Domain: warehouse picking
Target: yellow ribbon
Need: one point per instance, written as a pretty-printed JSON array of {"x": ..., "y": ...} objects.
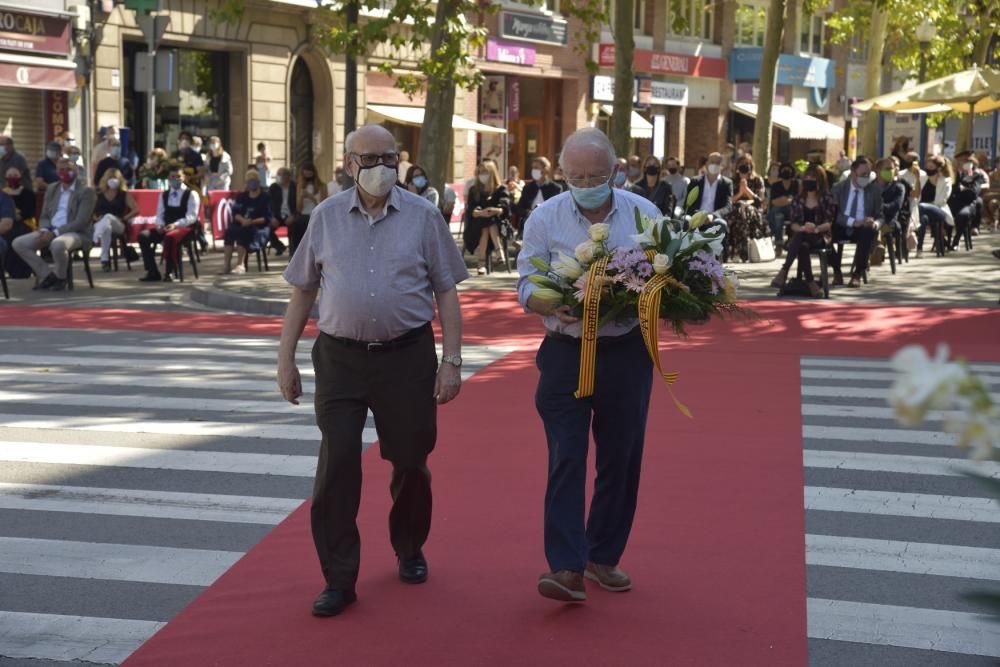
[
  {"x": 649, "y": 315},
  {"x": 588, "y": 335}
]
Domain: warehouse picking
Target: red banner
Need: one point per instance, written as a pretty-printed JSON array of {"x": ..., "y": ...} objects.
[
  {"x": 20, "y": 31},
  {"x": 659, "y": 62},
  {"x": 29, "y": 76},
  {"x": 56, "y": 108}
]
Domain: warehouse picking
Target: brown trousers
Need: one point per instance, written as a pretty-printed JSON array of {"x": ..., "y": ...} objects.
[{"x": 397, "y": 385}]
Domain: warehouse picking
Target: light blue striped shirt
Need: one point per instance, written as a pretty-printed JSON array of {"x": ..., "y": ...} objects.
[{"x": 558, "y": 226}]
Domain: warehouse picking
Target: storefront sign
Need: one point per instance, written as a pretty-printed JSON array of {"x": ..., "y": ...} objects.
[
  {"x": 56, "y": 106},
  {"x": 658, "y": 62},
  {"x": 492, "y": 112},
  {"x": 513, "y": 54},
  {"x": 745, "y": 64},
  {"x": 603, "y": 89},
  {"x": 20, "y": 31},
  {"x": 513, "y": 99},
  {"x": 29, "y": 76},
  {"x": 750, "y": 92},
  {"x": 670, "y": 94},
  {"x": 532, "y": 28}
]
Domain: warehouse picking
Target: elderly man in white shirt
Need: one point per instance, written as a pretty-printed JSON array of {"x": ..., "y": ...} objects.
[
  {"x": 577, "y": 546},
  {"x": 178, "y": 211}
]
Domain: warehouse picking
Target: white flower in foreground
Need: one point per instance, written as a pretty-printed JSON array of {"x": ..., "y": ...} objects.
[
  {"x": 977, "y": 432},
  {"x": 567, "y": 267},
  {"x": 923, "y": 383},
  {"x": 661, "y": 264},
  {"x": 586, "y": 252},
  {"x": 646, "y": 238},
  {"x": 698, "y": 219},
  {"x": 600, "y": 231}
]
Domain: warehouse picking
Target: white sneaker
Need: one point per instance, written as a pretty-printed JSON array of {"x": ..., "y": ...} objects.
[{"x": 239, "y": 269}]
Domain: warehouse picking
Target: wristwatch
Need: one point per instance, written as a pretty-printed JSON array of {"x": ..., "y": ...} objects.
[{"x": 452, "y": 359}]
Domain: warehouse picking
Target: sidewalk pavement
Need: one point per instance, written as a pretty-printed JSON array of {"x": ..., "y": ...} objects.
[{"x": 960, "y": 278}]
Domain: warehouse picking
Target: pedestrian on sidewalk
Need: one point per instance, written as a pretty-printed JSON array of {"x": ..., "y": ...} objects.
[
  {"x": 577, "y": 545},
  {"x": 383, "y": 257}
]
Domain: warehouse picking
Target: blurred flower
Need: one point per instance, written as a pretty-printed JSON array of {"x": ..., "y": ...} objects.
[
  {"x": 661, "y": 264},
  {"x": 549, "y": 296},
  {"x": 923, "y": 383},
  {"x": 600, "y": 231},
  {"x": 698, "y": 219},
  {"x": 567, "y": 267},
  {"x": 586, "y": 252}
]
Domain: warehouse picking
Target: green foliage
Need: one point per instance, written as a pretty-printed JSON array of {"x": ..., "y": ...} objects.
[{"x": 229, "y": 11}]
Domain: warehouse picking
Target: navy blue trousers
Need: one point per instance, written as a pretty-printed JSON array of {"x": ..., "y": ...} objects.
[{"x": 617, "y": 411}]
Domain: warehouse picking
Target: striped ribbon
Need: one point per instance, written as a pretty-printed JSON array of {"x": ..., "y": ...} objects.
[{"x": 588, "y": 335}]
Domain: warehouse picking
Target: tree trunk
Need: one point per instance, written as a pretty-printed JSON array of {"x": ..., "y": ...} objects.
[
  {"x": 436, "y": 134},
  {"x": 873, "y": 80},
  {"x": 621, "y": 119},
  {"x": 768, "y": 81},
  {"x": 979, "y": 54}
]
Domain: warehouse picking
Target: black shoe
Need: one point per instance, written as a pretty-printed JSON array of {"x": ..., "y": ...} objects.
[
  {"x": 167, "y": 278},
  {"x": 331, "y": 602},
  {"x": 106, "y": 267},
  {"x": 151, "y": 277},
  {"x": 278, "y": 252},
  {"x": 57, "y": 285},
  {"x": 413, "y": 570},
  {"x": 47, "y": 282}
]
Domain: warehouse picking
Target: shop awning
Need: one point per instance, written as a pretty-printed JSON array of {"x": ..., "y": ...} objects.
[
  {"x": 36, "y": 72},
  {"x": 415, "y": 116},
  {"x": 799, "y": 125},
  {"x": 641, "y": 128}
]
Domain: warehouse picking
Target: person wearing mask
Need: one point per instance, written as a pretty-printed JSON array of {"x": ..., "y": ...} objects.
[
  {"x": 198, "y": 146},
  {"x": 404, "y": 165},
  {"x": 177, "y": 215},
  {"x": 6, "y": 227},
  {"x": 634, "y": 169},
  {"x": 23, "y": 197},
  {"x": 514, "y": 183},
  {"x": 112, "y": 161},
  {"x": 678, "y": 183},
  {"x": 416, "y": 182},
  {"x": 487, "y": 206},
  {"x": 782, "y": 192},
  {"x": 339, "y": 183},
  {"x": 63, "y": 227},
  {"x": 559, "y": 179},
  {"x": 219, "y": 166},
  {"x": 859, "y": 214},
  {"x": 914, "y": 177},
  {"x": 101, "y": 148},
  {"x": 21, "y": 213},
  {"x": 933, "y": 207},
  {"x": 262, "y": 163},
  {"x": 810, "y": 217},
  {"x": 187, "y": 155},
  {"x": 154, "y": 173},
  {"x": 653, "y": 188},
  {"x": 9, "y": 157},
  {"x": 284, "y": 199},
  {"x": 713, "y": 193},
  {"x": 113, "y": 212},
  {"x": 538, "y": 190},
  {"x": 966, "y": 201},
  {"x": 47, "y": 173},
  {"x": 832, "y": 176},
  {"x": 76, "y": 157},
  {"x": 746, "y": 220},
  {"x": 311, "y": 192},
  {"x": 894, "y": 200},
  {"x": 250, "y": 227},
  {"x": 620, "y": 180}
]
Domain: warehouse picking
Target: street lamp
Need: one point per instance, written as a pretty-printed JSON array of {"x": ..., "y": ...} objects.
[{"x": 926, "y": 32}]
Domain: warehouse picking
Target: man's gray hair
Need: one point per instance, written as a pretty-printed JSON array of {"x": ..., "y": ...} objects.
[
  {"x": 349, "y": 142},
  {"x": 592, "y": 137}
]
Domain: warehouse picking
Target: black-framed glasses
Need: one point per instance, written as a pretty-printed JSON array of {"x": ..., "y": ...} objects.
[{"x": 372, "y": 159}]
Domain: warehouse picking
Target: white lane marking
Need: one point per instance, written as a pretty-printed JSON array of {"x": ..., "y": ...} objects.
[
  {"x": 129, "y": 425},
  {"x": 167, "y": 459},
  {"x": 149, "y": 504},
  {"x": 155, "y": 402},
  {"x": 903, "y": 436},
  {"x": 208, "y": 341},
  {"x": 26, "y": 635},
  {"x": 943, "y": 560},
  {"x": 906, "y": 627},
  {"x": 470, "y": 353},
  {"x": 814, "y": 362},
  {"x": 888, "y": 376},
  {"x": 898, "y": 463},
  {"x": 865, "y": 412},
  {"x": 45, "y": 375},
  {"x": 195, "y": 366},
  {"x": 117, "y": 562},
  {"x": 855, "y": 392},
  {"x": 889, "y": 503}
]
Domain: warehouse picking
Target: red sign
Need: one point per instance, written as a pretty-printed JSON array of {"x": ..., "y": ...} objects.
[
  {"x": 29, "y": 76},
  {"x": 659, "y": 62},
  {"x": 56, "y": 106},
  {"x": 34, "y": 33}
]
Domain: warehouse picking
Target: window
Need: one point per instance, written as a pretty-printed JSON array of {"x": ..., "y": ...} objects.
[
  {"x": 546, "y": 6},
  {"x": 690, "y": 18},
  {"x": 859, "y": 49},
  {"x": 751, "y": 22},
  {"x": 812, "y": 34},
  {"x": 638, "y": 15}
]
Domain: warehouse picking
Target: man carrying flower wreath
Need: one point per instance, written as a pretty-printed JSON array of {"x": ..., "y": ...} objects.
[{"x": 564, "y": 229}]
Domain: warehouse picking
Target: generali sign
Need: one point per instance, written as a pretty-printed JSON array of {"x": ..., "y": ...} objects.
[
  {"x": 21, "y": 31},
  {"x": 660, "y": 62}
]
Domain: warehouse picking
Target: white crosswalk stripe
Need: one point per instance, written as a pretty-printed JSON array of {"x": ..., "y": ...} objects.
[
  {"x": 132, "y": 459},
  {"x": 897, "y": 530}
]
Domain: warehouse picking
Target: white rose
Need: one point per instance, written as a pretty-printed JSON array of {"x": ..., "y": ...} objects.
[
  {"x": 566, "y": 267},
  {"x": 585, "y": 252},
  {"x": 599, "y": 231},
  {"x": 661, "y": 264}
]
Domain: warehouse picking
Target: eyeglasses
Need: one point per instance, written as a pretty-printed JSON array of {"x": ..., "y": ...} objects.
[
  {"x": 588, "y": 181},
  {"x": 372, "y": 159}
]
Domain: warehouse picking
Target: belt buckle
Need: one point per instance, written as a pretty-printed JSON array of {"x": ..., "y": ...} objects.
[{"x": 374, "y": 346}]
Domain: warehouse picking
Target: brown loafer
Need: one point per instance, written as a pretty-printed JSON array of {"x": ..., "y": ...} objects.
[
  {"x": 815, "y": 290},
  {"x": 780, "y": 279},
  {"x": 837, "y": 281},
  {"x": 610, "y": 577},
  {"x": 564, "y": 586}
]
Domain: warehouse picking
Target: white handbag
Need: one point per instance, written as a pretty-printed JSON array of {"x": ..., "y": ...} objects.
[{"x": 760, "y": 250}]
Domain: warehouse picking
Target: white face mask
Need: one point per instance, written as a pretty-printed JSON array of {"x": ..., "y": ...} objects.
[
  {"x": 536, "y": 174},
  {"x": 863, "y": 181},
  {"x": 214, "y": 147},
  {"x": 484, "y": 179},
  {"x": 113, "y": 183},
  {"x": 714, "y": 169},
  {"x": 378, "y": 180},
  {"x": 969, "y": 167}
]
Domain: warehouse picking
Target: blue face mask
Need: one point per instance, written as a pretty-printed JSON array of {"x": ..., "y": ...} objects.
[
  {"x": 619, "y": 179},
  {"x": 593, "y": 198},
  {"x": 175, "y": 183},
  {"x": 419, "y": 181}
]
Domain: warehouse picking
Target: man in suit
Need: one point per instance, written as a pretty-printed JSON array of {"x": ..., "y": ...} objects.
[
  {"x": 715, "y": 194},
  {"x": 282, "y": 193},
  {"x": 65, "y": 225},
  {"x": 859, "y": 215}
]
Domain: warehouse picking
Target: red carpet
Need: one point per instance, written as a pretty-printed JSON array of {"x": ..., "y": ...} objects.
[{"x": 717, "y": 552}]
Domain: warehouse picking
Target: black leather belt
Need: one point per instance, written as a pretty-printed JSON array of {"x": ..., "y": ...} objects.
[
  {"x": 603, "y": 341},
  {"x": 408, "y": 338}
]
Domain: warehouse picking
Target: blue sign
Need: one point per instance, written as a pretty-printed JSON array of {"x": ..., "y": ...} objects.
[{"x": 745, "y": 63}]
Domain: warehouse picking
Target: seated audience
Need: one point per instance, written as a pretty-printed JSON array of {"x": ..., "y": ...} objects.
[
  {"x": 311, "y": 192},
  {"x": 714, "y": 194},
  {"x": 859, "y": 214},
  {"x": 780, "y": 195},
  {"x": 46, "y": 172},
  {"x": 114, "y": 210},
  {"x": 966, "y": 202},
  {"x": 678, "y": 183},
  {"x": 177, "y": 215},
  {"x": 283, "y": 206},
  {"x": 933, "y": 207},
  {"x": 810, "y": 217},
  {"x": 250, "y": 226},
  {"x": 653, "y": 188},
  {"x": 416, "y": 182}
]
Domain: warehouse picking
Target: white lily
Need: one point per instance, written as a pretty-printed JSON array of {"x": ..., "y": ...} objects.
[
  {"x": 567, "y": 267},
  {"x": 646, "y": 238},
  {"x": 924, "y": 383}
]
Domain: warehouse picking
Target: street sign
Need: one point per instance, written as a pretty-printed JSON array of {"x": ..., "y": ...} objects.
[
  {"x": 143, "y": 6},
  {"x": 154, "y": 75},
  {"x": 152, "y": 28}
]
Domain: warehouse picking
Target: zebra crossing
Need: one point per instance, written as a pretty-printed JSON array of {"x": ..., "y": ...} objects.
[
  {"x": 895, "y": 531},
  {"x": 135, "y": 469}
]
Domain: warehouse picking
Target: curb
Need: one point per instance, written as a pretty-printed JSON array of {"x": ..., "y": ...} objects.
[{"x": 215, "y": 297}]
